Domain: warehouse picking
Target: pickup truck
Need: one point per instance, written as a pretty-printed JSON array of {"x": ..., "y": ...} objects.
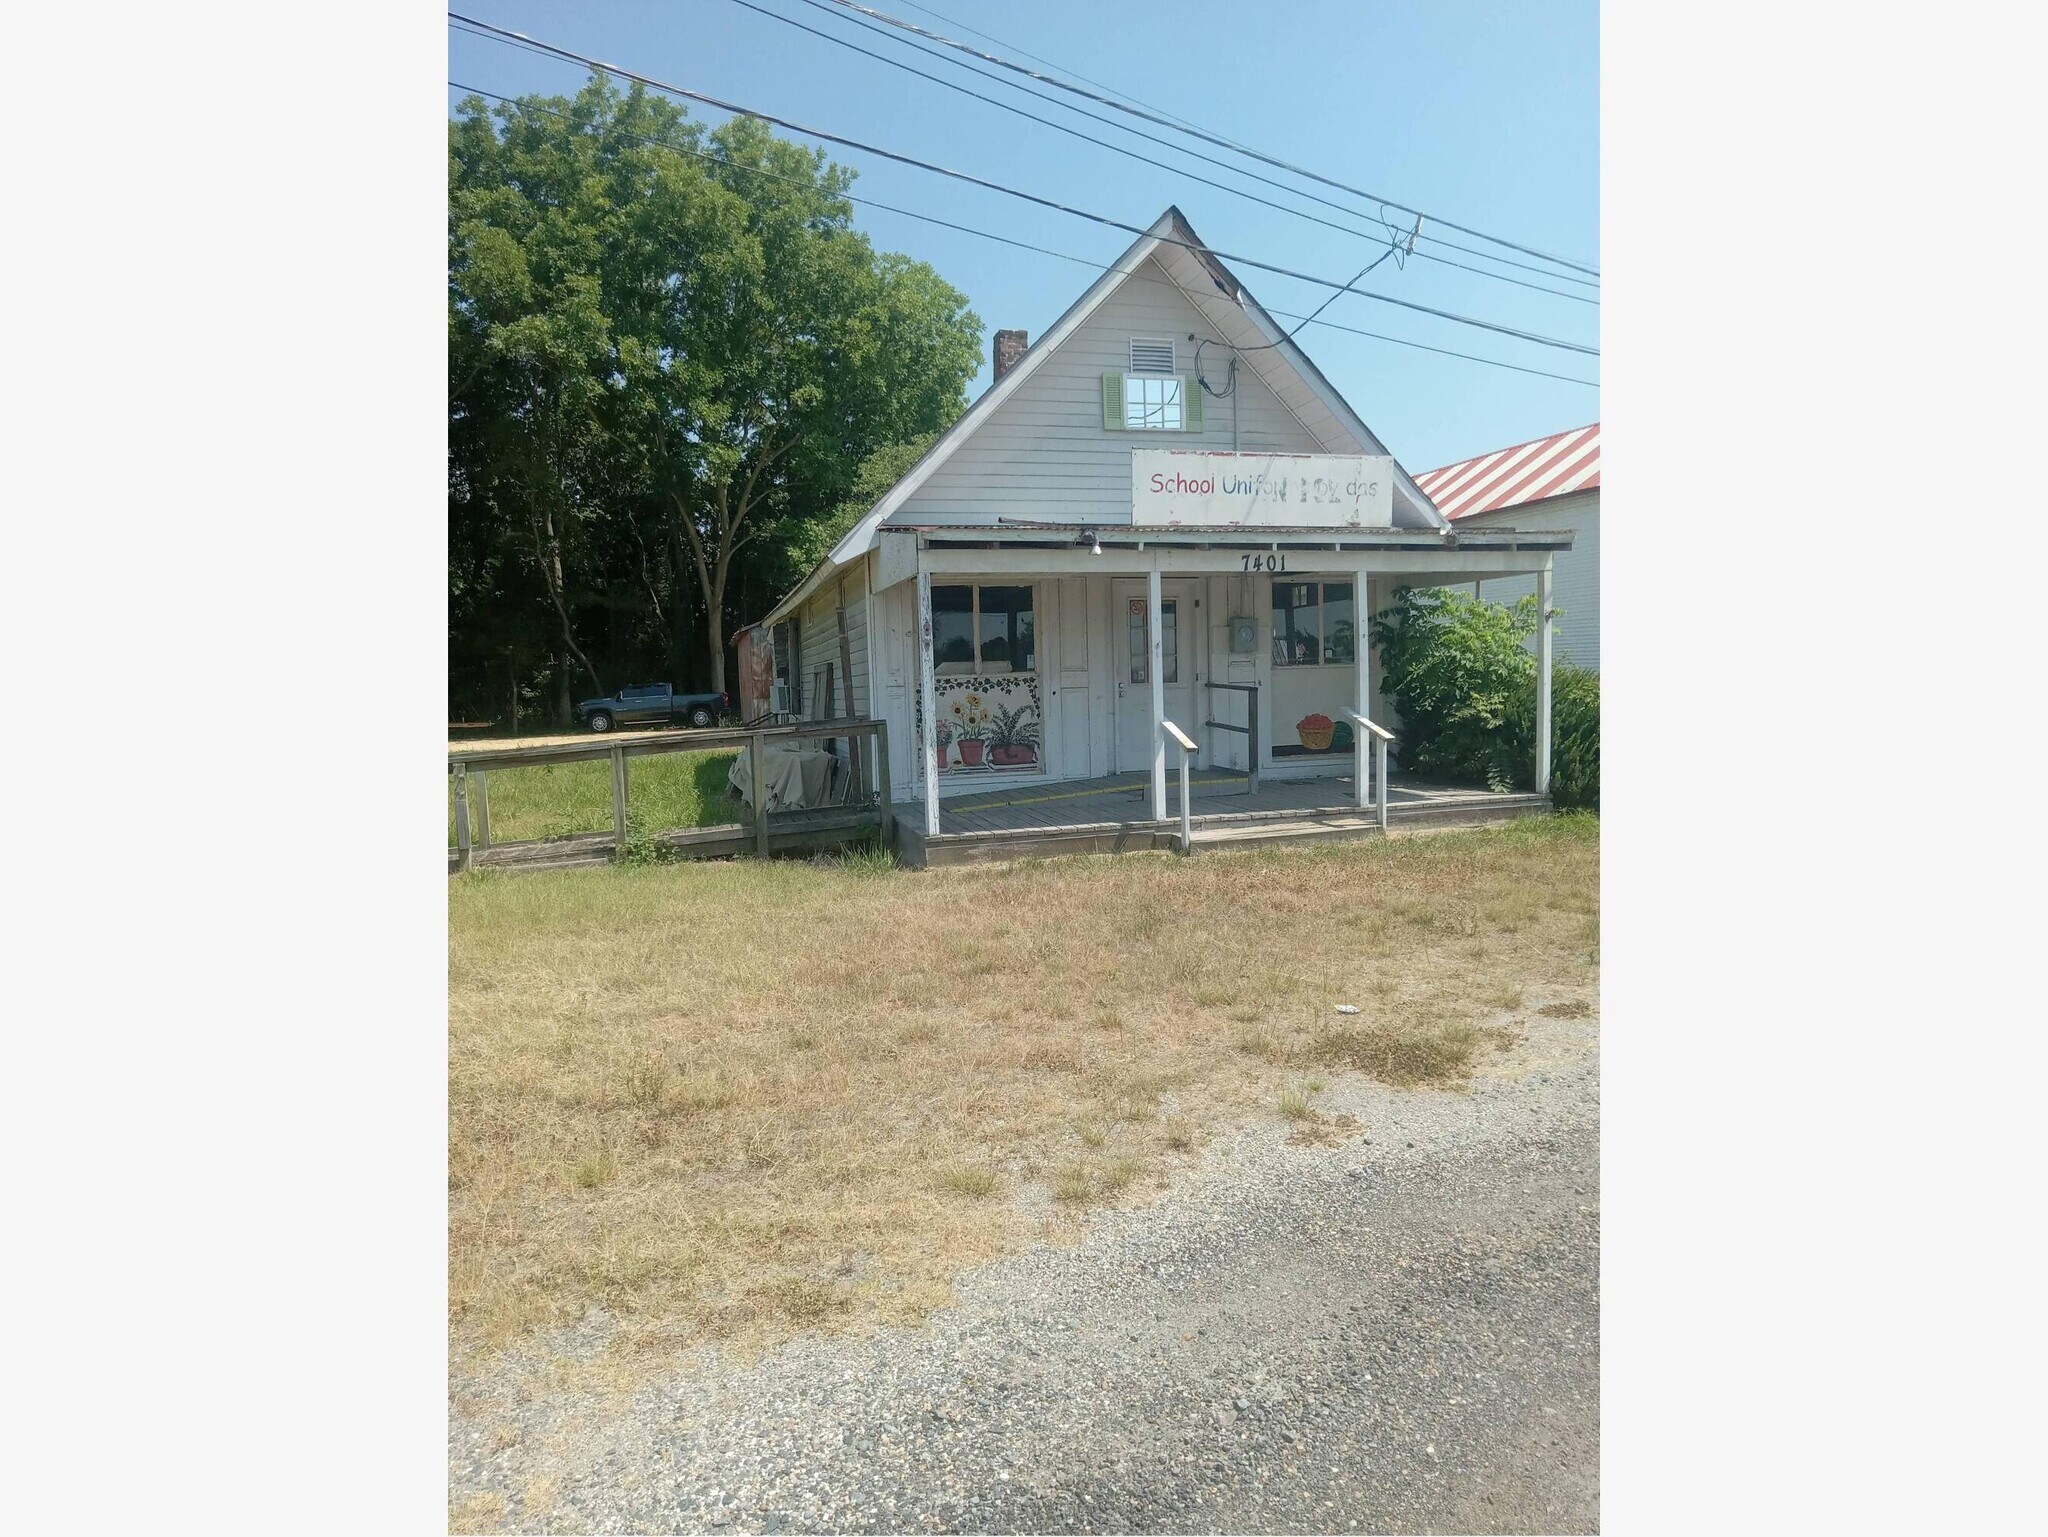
[{"x": 650, "y": 704}]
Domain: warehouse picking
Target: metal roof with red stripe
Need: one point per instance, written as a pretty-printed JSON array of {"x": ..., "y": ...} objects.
[{"x": 1510, "y": 477}]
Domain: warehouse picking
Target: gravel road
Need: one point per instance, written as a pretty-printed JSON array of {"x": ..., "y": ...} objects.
[{"x": 1396, "y": 1333}]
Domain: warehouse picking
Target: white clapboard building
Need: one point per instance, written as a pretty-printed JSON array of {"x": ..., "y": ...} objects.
[
  {"x": 1553, "y": 482},
  {"x": 1159, "y": 525}
]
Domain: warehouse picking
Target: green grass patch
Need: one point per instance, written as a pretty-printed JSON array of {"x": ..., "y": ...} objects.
[{"x": 554, "y": 800}]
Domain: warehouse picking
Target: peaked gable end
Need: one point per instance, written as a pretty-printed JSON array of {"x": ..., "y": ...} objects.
[
  {"x": 1282, "y": 402},
  {"x": 1056, "y": 448}
]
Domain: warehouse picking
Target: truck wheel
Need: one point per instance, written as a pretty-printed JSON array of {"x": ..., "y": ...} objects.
[
  {"x": 700, "y": 716},
  {"x": 600, "y": 720}
]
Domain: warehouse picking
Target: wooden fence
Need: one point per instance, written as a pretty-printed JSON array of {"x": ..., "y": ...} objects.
[{"x": 860, "y": 777}]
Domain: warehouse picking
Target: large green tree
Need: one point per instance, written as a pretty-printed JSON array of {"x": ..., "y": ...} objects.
[{"x": 670, "y": 356}]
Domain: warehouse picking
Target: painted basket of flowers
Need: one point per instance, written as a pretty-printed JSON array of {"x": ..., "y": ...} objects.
[{"x": 1315, "y": 731}]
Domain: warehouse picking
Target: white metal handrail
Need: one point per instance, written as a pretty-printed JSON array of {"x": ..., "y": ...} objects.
[
  {"x": 1378, "y": 736},
  {"x": 1187, "y": 753}
]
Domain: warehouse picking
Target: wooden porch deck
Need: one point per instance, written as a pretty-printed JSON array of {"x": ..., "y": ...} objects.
[{"x": 1112, "y": 815}]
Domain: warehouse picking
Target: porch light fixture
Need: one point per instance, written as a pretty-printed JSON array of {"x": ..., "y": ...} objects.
[{"x": 1092, "y": 539}]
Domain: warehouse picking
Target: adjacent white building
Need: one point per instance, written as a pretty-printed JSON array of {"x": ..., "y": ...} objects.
[
  {"x": 1158, "y": 518},
  {"x": 1553, "y": 482}
]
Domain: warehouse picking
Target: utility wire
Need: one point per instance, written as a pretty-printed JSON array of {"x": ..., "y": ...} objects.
[
  {"x": 520, "y": 39},
  {"x": 832, "y": 7},
  {"x": 1040, "y": 59},
  {"x": 1201, "y": 133},
  {"x": 1152, "y": 138},
  {"x": 530, "y": 105}
]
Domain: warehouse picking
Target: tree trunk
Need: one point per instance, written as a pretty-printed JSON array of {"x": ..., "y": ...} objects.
[
  {"x": 717, "y": 642},
  {"x": 680, "y": 662},
  {"x": 547, "y": 554}
]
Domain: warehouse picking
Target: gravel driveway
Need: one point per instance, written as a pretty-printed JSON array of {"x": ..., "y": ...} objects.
[{"x": 1396, "y": 1333}]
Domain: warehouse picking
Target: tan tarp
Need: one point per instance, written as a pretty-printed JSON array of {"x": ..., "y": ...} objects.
[{"x": 797, "y": 776}]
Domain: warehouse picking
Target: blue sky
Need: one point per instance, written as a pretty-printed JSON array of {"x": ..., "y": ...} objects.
[{"x": 1486, "y": 114}]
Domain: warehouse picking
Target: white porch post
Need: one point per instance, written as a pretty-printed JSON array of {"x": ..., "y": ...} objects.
[
  {"x": 1543, "y": 650},
  {"x": 1156, "y": 671},
  {"x": 1361, "y": 652},
  {"x": 927, "y": 698}
]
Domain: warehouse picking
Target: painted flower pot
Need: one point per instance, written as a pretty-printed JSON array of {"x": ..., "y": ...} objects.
[
  {"x": 1011, "y": 757},
  {"x": 970, "y": 753}
]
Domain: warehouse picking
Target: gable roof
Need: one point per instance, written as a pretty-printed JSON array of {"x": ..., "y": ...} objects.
[
  {"x": 1226, "y": 304},
  {"x": 1557, "y": 465},
  {"x": 1263, "y": 346}
]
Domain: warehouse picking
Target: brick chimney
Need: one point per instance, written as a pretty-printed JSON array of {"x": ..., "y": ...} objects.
[{"x": 1010, "y": 346}]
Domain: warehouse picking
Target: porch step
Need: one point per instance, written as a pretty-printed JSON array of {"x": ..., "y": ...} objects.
[
  {"x": 1214, "y": 830},
  {"x": 1332, "y": 827}
]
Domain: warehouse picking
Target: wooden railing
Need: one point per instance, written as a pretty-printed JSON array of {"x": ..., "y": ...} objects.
[{"x": 866, "y": 796}]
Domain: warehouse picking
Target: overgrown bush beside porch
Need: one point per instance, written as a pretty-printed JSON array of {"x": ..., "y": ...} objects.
[
  {"x": 1574, "y": 736},
  {"x": 1463, "y": 680}
]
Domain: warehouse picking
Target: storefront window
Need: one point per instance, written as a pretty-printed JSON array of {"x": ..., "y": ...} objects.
[
  {"x": 1297, "y": 625},
  {"x": 1339, "y": 623},
  {"x": 1008, "y": 635},
  {"x": 1314, "y": 624},
  {"x": 952, "y": 626},
  {"x": 983, "y": 630}
]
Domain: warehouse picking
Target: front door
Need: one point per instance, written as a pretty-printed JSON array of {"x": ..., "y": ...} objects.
[{"x": 1180, "y": 648}]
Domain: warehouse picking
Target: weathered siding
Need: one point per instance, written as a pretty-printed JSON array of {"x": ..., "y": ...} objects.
[
  {"x": 1575, "y": 574},
  {"x": 819, "y": 635},
  {"x": 1045, "y": 452}
]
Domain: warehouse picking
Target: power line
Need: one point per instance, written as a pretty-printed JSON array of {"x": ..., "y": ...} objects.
[
  {"x": 528, "y": 105},
  {"x": 1151, "y": 138},
  {"x": 1202, "y": 133},
  {"x": 1096, "y": 117},
  {"x": 1040, "y": 59},
  {"x": 520, "y": 39},
  {"x": 1086, "y": 138}
]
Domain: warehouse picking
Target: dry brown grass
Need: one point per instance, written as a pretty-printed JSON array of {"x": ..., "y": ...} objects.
[{"x": 726, "y": 1101}]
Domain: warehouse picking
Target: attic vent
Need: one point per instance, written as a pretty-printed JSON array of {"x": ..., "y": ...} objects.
[{"x": 1151, "y": 355}]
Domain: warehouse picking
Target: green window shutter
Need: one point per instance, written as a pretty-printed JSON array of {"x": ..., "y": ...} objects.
[
  {"x": 1113, "y": 402},
  {"x": 1190, "y": 404}
]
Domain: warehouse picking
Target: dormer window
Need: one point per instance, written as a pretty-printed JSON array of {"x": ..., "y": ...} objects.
[{"x": 1150, "y": 396}]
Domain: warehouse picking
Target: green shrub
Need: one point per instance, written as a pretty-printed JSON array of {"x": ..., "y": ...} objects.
[
  {"x": 1463, "y": 683},
  {"x": 1574, "y": 738},
  {"x": 1461, "y": 674}
]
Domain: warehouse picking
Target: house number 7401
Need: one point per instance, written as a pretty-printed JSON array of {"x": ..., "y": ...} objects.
[{"x": 1265, "y": 562}]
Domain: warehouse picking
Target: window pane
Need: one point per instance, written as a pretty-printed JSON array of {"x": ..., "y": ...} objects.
[
  {"x": 1297, "y": 636},
  {"x": 1169, "y": 640},
  {"x": 1152, "y": 404},
  {"x": 952, "y": 625},
  {"x": 1008, "y": 633},
  {"x": 1339, "y": 626}
]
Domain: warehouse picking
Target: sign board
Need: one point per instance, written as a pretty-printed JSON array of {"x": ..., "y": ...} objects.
[{"x": 1190, "y": 489}]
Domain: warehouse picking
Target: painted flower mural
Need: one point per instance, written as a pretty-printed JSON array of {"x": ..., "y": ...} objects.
[
  {"x": 994, "y": 724},
  {"x": 971, "y": 716}
]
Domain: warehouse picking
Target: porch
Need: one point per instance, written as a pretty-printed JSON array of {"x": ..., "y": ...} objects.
[{"x": 1112, "y": 814}]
